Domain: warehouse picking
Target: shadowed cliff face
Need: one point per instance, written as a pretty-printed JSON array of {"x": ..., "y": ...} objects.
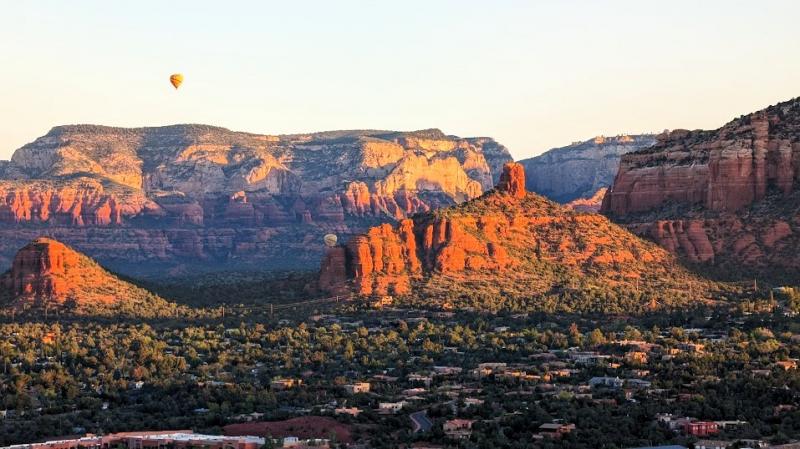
[
  {"x": 581, "y": 169},
  {"x": 203, "y": 195},
  {"x": 727, "y": 197},
  {"x": 508, "y": 239}
]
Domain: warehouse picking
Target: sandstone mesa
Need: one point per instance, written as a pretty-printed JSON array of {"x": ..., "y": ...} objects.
[
  {"x": 727, "y": 197},
  {"x": 196, "y": 194}
]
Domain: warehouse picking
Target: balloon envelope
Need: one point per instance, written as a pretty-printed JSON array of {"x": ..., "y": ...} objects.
[
  {"x": 331, "y": 239},
  {"x": 176, "y": 79}
]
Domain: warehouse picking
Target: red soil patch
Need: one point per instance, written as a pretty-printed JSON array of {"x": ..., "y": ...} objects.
[{"x": 302, "y": 427}]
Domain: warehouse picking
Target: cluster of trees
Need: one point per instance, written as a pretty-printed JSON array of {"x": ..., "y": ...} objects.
[{"x": 127, "y": 375}]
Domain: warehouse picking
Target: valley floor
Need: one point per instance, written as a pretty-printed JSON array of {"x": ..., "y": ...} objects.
[{"x": 392, "y": 378}]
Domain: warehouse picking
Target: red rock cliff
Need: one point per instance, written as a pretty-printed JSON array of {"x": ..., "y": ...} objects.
[
  {"x": 502, "y": 239},
  {"x": 185, "y": 195},
  {"x": 78, "y": 202},
  {"x": 727, "y": 196},
  {"x": 723, "y": 170}
]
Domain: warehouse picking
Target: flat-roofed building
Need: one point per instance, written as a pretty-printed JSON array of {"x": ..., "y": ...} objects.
[{"x": 177, "y": 439}]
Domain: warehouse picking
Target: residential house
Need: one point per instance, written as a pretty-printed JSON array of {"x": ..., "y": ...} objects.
[
  {"x": 384, "y": 378},
  {"x": 671, "y": 422},
  {"x": 555, "y": 430},
  {"x": 701, "y": 428},
  {"x": 312, "y": 443},
  {"x": 696, "y": 348},
  {"x": 489, "y": 368},
  {"x": 426, "y": 380},
  {"x": 786, "y": 365},
  {"x": 606, "y": 382},
  {"x": 473, "y": 402},
  {"x": 414, "y": 391},
  {"x": 285, "y": 384},
  {"x": 352, "y": 411},
  {"x": 637, "y": 383},
  {"x": 636, "y": 357},
  {"x": 458, "y": 428},
  {"x": 588, "y": 358},
  {"x": 447, "y": 370},
  {"x": 358, "y": 387},
  {"x": 517, "y": 375},
  {"x": 563, "y": 372},
  {"x": 726, "y": 424},
  {"x": 391, "y": 407},
  {"x": 712, "y": 444}
]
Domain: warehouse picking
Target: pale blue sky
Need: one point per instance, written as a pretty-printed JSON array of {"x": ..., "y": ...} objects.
[{"x": 533, "y": 74}]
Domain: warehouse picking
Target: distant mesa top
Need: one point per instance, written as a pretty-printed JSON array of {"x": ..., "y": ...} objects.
[{"x": 176, "y": 79}]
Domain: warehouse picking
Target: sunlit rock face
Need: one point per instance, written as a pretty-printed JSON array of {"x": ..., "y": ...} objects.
[
  {"x": 194, "y": 195},
  {"x": 727, "y": 197},
  {"x": 40, "y": 269},
  {"x": 47, "y": 273},
  {"x": 504, "y": 238}
]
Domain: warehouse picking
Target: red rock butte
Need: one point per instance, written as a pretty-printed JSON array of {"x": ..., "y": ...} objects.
[
  {"x": 40, "y": 269},
  {"x": 512, "y": 180},
  {"x": 48, "y": 272},
  {"x": 508, "y": 238}
]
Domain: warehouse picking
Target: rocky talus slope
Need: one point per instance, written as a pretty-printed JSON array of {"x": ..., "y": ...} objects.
[
  {"x": 507, "y": 245},
  {"x": 728, "y": 198},
  {"x": 591, "y": 204},
  {"x": 187, "y": 196}
]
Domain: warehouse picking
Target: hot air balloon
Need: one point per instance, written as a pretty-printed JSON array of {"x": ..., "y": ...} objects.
[
  {"x": 176, "y": 79},
  {"x": 330, "y": 240}
]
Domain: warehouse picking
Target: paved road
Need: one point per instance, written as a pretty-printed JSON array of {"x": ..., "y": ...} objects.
[{"x": 421, "y": 421}]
